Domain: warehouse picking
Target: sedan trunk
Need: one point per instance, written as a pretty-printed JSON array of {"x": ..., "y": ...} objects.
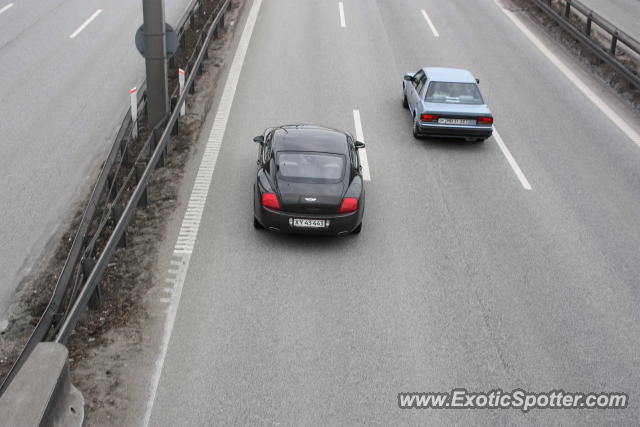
[{"x": 310, "y": 198}]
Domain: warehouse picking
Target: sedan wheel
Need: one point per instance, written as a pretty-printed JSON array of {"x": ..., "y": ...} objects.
[
  {"x": 405, "y": 104},
  {"x": 416, "y": 132},
  {"x": 256, "y": 224},
  {"x": 357, "y": 230}
]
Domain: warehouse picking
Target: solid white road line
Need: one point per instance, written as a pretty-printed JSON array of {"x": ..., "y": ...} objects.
[
  {"x": 363, "y": 151},
  {"x": 184, "y": 245},
  {"x": 7, "y": 7},
  {"x": 511, "y": 160},
  {"x": 87, "y": 22},
  {"x": 433, "y": 27},
  {"x": 343, "y": 24},
  {"x": 597, "y": 101}
]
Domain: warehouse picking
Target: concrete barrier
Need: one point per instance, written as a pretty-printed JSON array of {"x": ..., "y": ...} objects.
[{"x": 41, "y": 394}]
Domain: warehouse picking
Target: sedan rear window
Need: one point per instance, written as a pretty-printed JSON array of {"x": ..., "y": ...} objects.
[
  {"x": 310, "y": 166},
  {"x": 454, "y": 93}
]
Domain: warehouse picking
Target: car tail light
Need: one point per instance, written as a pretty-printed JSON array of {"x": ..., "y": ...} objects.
[
  {"x": 270, "y": 200},
  {"x": 485, "y": 120},
  {"x": 429, "y": 118},
  {"x": 349, "y": 204}
]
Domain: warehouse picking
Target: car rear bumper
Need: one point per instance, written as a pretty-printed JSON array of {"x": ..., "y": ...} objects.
[
  {"x": 451, "y": 131},
  {"x": 283, "y": 221}
]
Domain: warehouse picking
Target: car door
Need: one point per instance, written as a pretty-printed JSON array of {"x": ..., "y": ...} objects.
[{"x": 414, "y": 89}]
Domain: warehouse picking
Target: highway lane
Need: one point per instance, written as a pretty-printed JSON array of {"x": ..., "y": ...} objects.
[
  {"x": 625, "y": 14},
  {"x": 460, "y": 278},
  {"x": 62, "y": 101}
]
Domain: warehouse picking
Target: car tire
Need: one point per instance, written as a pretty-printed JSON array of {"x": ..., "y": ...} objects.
[
  {"x": 405, "y": 104},
  {"x": 256, "y": 224},
  {"x": 416, "y": 133},
  {"x": 357, "y": 230}
]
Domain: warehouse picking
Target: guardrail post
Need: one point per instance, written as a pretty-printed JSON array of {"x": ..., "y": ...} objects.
[
  {"x": 567, "y": 9},
  {"x": 87, "y": 267},
  {"x": 124, "y": 152},
  {"x": 110, "y": 180},
  {"x": 192, "y": 88},
  {"x": 614, "y": 43},
  {"x": 117, "y": 212},
  {"x": 174, "y": 104},
  {"x": 589, "y": 20},
  {"x": 157, "y": 134},
  {"x": 140, "y": 167}
]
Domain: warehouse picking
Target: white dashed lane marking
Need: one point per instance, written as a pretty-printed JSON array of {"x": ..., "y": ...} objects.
[
  {"x": 433, "y": 27},
  {"x": 85, "y": 24}
]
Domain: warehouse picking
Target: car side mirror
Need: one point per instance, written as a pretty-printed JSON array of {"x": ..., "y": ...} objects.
[
  {"x": 259, "y": 139},
  {"x": 358, "y": 144},
  {"x": 408, "y": 77},
  {"x": 478, "y": 81}
]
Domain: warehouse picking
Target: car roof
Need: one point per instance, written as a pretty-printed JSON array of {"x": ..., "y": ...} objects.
[
  {"x": 309, "y": 138},
  {"x": 449, "y": 75}
]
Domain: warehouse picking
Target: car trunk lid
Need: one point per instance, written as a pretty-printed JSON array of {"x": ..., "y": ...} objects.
[{"x": 310, "y": 198}]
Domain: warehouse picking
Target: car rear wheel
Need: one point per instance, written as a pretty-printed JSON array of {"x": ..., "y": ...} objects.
[
  {"x": 405, "y": 103},
  {"x": 416, "y": 132},
  {"x": 357, "y": 230},
  {"x": 256, "y": 224}
]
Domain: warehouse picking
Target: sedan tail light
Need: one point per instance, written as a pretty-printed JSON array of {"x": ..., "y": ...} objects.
[
  {"x": 429, "y": 118},
  {"x": 270, "y": 200},
  {"x": 349, "y": 204},
  {"x": 485, "y": 120}
]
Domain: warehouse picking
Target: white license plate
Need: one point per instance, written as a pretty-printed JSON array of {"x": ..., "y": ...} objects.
[
  {"x": 308, "y": 223},
  {"x": 456, "y": 122}
]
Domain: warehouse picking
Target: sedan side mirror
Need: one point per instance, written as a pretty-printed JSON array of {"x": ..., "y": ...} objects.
[
  {"x": 408, "y": 77},
  {"x": 259, "y": 139},
  {"x": 478, "y": 81},
  {"x": 358, "y": 144}
]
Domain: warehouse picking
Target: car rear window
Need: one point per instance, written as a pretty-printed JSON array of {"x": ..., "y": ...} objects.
[
  {"x": 318, "y": 167},
  {"x": 454, "y": 93}
]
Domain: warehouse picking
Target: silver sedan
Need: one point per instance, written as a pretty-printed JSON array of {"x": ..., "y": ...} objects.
[{"x": 446, "y": 103}]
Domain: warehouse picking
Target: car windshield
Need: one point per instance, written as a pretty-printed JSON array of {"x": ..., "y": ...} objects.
[
  {"x": 454, "y": 93},
  {"x": 297, "y": 166}
]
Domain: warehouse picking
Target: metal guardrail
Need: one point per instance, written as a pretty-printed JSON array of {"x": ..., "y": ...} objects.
[
  {"x": 561, "y": 12},
  {"x": 81, "y": 270}
]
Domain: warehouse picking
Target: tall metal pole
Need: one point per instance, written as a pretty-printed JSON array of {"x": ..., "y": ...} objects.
[{"x": 155, "y": 61}]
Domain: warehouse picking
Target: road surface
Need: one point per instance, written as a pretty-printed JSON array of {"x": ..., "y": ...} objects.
[
  {"x": 624, "y": 14},
  {"x": 63, "y": 99},
  {"x": 461, "y": 277}
]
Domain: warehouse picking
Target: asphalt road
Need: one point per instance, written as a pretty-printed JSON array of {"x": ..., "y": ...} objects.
[
  {"x": 63, "y": 99},
  {"x": 460, "y": 278},
  {"x": 625, "y": 14}
]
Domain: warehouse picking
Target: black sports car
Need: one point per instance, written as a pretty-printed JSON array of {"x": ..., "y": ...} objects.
[{"x": 309, "y": 181}]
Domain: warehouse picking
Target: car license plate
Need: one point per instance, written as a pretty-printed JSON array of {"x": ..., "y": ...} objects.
[
  {"x": 456, "y": 121},
  {"x": 308, "y": 223}
]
